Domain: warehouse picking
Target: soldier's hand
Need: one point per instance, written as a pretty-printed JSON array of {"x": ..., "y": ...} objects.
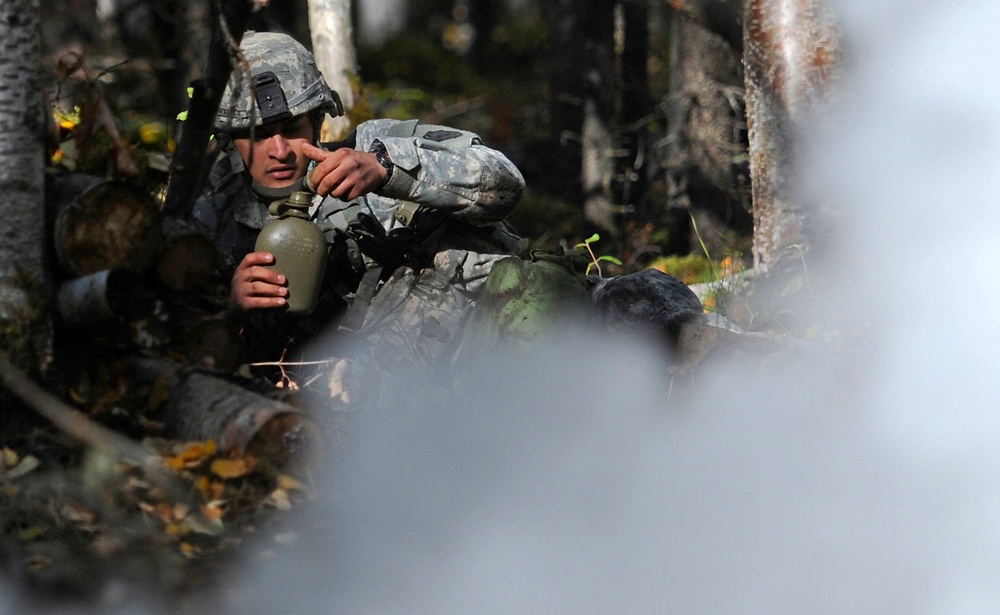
[
  {"x": 255, "y": 286},
  {"x": 344, "y": 173}
]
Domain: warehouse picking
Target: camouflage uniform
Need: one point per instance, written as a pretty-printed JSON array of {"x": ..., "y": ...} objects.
[
  {"x": 445, "y": 170},
  {"x": 442, "y": 207}
]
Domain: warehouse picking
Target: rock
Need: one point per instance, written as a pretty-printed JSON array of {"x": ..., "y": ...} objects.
[{"x": 643, "y": 301}]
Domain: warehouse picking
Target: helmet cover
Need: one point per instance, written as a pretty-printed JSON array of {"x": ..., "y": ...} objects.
[{"x": 286, "y": 83}]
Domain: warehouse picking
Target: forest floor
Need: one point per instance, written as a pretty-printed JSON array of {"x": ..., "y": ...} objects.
[{"x": 80, "y": 525}]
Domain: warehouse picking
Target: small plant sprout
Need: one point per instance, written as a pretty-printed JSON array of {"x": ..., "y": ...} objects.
[{"x": 596, "y": 260}]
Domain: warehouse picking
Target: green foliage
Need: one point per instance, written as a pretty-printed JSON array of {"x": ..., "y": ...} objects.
[
  {"x": 597, "y": 260},
  {"x": 691, "y": 268}
]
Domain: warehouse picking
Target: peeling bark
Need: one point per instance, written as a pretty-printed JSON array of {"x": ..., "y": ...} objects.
[
  {"x": 792, "y": 59},
  {"x": 200, "y": 406}
]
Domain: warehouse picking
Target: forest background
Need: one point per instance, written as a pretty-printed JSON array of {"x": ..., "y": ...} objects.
[
  {"x": 626, "y": 118},
  {"x": 860, "y": 482}
]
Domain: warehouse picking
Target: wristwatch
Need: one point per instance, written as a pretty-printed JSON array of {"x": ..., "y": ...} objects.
[{"x": 378, "y": 148}]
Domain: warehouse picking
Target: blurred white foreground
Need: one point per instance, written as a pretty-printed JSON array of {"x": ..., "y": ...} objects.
[
  {"x": 569, "y": 484},
  {"x": 573, "y": 486}
]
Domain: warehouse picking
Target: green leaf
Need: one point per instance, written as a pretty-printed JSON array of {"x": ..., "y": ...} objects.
[
  {"x": 592, "y": 238},
  {"x": 610, "y": 259}
]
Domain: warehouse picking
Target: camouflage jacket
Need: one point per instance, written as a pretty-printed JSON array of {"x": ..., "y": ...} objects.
[
  {"x": 470, "y": 188},
  {"x": 465, "y": 189}
]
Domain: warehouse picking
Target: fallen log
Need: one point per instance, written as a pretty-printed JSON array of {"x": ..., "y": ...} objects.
[
  {"x": 188, "y": 258},
  {"x": 102, "y": 297},
  {"x": 199, "y": 406},
  {"x": 110, "y": 225}
]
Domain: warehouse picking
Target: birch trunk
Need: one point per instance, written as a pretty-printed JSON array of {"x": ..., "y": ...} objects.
[
  {"x": 23, "y": 280},
  {"x": 333, "y": 45},
  {"x": 792, "y": 58}
]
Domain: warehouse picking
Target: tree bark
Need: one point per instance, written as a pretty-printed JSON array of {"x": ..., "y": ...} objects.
[
  {"x": 792, "y": 59},
  {"x": 704, "y": 151},
  {"x": 23, "y": 281},
  {"x": 333, "y": 46},
  {"x": 582, "y": 103},
  {"x": 188, "y": 164},
  {"x": 715, "y": 16},
  {"x": 202, "y": 407}
]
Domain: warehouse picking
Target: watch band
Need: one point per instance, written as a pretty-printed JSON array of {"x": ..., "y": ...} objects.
[{"x": 378, "y": 148}]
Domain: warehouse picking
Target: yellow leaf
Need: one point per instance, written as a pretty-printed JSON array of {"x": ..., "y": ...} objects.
[
  {"x": 192, "y": 455},
  {"x": 9, "y": 457},
  {"x": 213, "y": 510},
  {"x": 288, "y": 483},
  {"x": 233, "y": 468},
  {"x": 176, "y": 530}
]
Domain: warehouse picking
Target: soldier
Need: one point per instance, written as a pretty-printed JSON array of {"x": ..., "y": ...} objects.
[{"x": 393, "y": 193}]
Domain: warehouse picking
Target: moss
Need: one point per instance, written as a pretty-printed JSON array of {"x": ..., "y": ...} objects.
[{"x": 692, "y": 269}]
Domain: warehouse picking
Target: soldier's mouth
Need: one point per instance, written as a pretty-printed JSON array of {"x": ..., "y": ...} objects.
[{"x": 282, "y": 173}]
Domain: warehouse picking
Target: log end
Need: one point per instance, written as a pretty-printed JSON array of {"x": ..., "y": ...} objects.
[{"x": 288, "y": 439}]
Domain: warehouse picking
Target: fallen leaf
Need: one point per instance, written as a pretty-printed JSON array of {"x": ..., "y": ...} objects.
[
  {"x": 288, "y": 483},
  {"x": 76, "y": 513},
  {"x": 213, "y": 510},
  {"x": 10, "y": 457},
  {"x": 280, "y": 500},
  {"x": 208, "y": 527},
  {"x": 177, "y": 529},
  {"x": 233, "y": 468},
  {"x": 192, "y": 455},
  {"x": 27, "y": 464}
]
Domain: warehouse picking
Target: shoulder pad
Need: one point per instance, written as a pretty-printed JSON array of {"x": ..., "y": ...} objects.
[{"x": 446, "y": 135}]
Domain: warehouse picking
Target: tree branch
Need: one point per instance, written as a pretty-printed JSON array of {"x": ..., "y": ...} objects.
[{"x": 188, "y": 165}]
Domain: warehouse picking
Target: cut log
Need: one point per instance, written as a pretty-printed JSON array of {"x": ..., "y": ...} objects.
[
  {"x": 103, "y": 297},
  {"x": 188, "y": 258},
  {"x": 203, "y": 407},
  {"x": 110, "y": 225}
]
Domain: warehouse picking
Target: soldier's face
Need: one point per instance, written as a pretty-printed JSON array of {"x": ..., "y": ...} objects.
[{"x": 274, "y": 157}]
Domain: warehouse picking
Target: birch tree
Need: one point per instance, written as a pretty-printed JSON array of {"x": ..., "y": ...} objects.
[
  {"x": 333, "y": 45},
  {"x": 23, "y": 283},
  {"x": 792, "y": 58}
]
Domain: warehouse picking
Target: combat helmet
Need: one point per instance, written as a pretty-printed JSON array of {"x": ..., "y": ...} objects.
[{"x": 286, "y": 83}]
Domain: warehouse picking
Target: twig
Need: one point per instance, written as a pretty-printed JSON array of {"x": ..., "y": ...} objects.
[
  {"x": 291, "y": 363},
  {"x": 76, "y": 424},
  {"x": 71, "y": 421}
]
